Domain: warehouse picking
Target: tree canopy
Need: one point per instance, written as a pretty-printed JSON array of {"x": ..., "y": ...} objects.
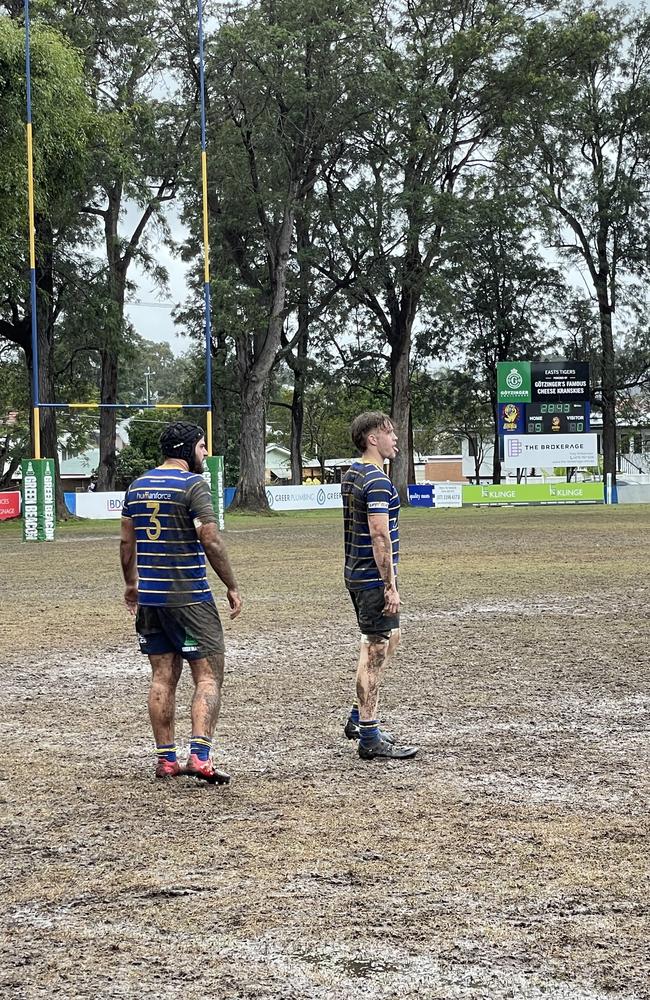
[{"x": 400, "y": 196}]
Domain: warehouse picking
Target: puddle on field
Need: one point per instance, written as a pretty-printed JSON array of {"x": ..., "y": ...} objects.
[{"x": 360, "y": 968}]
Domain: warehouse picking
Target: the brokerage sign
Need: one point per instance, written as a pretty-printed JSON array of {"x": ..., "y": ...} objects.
[
  {"x": 559, "y": 380},
  {"x": 526, "y": 451}
]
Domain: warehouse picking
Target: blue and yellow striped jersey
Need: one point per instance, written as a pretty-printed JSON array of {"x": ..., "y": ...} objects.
[
  {"x": 366, "y": 489},
  {"x": 162, "y": 505}
]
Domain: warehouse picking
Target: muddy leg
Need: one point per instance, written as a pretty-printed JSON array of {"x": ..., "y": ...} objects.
[
  {"x": 372, "y": 660},
  {"x": 206, "y": 703},
  {"x": 165, "y": 673}
]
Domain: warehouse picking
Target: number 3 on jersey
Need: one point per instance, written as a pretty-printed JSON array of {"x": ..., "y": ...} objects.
[{"x": 154, "y": 528}]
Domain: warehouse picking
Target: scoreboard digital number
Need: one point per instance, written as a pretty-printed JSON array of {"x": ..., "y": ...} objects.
[{"x": 556, "y": 418}]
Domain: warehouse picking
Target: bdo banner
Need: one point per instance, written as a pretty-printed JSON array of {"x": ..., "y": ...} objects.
[
  {"x": 213, "y": 476},
  {"x": 39, "y": 512}
]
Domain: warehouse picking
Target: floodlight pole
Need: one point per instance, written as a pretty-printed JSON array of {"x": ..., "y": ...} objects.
[
  {"x": 147, "y": 376},
  {"x": 206, "y": 242},
  {"x": 36, "y": 418}
]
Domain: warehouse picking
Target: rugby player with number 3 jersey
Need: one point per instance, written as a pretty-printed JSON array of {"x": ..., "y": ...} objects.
[{"x": 168, "y": 528}]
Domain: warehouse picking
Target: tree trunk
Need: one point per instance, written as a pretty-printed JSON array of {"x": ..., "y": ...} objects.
[
  {"x": 251, "y": 493},
  {"x": 401, "y": 411},
  {"x": 496, "y": 458},
  {"x": 411, "y": 455},
  {"x": 255, "y": 357},
  {"x": 299, "y": 363},
  {"x": 608, "y": 362},
  {"x": 117, "y": 270},
  {"x": 107, "y": 424},
  {"x": 219, "y": 426},
  {"x": 298, "y": 409}
]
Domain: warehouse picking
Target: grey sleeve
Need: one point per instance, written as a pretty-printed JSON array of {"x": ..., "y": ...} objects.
[{"x": 199, "y": 503}]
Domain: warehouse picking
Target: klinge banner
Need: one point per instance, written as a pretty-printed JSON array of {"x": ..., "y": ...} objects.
[
  {"x": 529, "y": 451},
  {"x": 533, "y": 493}
]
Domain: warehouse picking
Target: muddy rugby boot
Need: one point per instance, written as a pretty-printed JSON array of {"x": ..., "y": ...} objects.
[
  {"x": 205, "y": 770},
  {"x": 352, "y": 732},
  {"x": 168, "y": 769},
  {"x": 388, "y": 751}
]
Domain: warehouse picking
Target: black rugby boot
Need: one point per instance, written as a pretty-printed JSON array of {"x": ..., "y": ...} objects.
[{"x": 380, "y": 748}]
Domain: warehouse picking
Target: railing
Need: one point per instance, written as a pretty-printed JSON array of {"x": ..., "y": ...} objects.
[{"x": 634, "y": 463}]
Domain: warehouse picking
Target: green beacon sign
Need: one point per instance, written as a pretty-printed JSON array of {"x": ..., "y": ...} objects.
[{"x": 39, "y": 511}]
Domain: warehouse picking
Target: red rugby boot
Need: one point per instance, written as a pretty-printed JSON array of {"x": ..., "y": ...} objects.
[
  {"x": 205, "y": 770},
  {"x": 168, "y": 768}
]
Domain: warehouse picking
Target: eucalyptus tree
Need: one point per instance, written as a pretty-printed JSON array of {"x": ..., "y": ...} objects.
[
  {"x": 63, "y": 127},
  {"x": 505, "y": 299},
  {"x": 283, "y": 86},
  {"x": 580, "y": 137},
  {"x": 137, "y": 162},
  {"x": 437, "y": 84}
]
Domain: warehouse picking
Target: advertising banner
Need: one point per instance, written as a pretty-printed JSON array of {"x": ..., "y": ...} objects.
[
  {"x": 95, "y": 506},
  {"x": 213, "y": 475},
  {"x": 436, "y": 495},
  {"x": 524, "y": 493},
  {"x": 568, "y": 380},
  {"x": 513, "y": 382},
  {"x": 529, "y": 451},
  {"x": 39, "y": 512},
  {"x": 304, "y": 497},
  {"x": 447, "y": 495},
  {"x": 421, "y": 496},
  {"x": 9, "y": 504},
  {"x": 511, "y": 418}
]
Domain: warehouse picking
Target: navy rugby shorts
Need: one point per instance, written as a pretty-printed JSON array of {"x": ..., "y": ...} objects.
[
  {"x": 369, "y": 606},
  {"x": 193, "y": 630}
]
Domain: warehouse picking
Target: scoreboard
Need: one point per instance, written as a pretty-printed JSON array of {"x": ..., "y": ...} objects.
[{"x": 557, "y": 417}]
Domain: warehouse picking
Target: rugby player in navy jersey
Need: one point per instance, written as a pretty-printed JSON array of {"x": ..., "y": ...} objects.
[
  {"x": 168, "y": 528},
  {"x": 371, "y": 538}
]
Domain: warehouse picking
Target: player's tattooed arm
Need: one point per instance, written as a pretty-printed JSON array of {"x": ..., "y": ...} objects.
[
  {"x": 382, "y": 550},
  {"x": 129, "y": 565},
  {"x": 216, "y": 554}
]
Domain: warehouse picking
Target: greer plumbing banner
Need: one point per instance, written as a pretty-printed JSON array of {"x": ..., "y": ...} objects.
[
  {"x": 529, "y": 451},
  {"x": 511, "y": 493},
  {"x": 304, "y": 497},
  {"x": 39, "y": 512}
]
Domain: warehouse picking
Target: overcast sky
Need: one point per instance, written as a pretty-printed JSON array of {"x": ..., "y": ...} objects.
[{"x": 148, "y": 309}]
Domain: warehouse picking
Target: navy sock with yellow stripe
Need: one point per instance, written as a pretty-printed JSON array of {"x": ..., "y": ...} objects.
[
  {"x": 201, "y": 746},
  {"x": 166, "y": 751}
]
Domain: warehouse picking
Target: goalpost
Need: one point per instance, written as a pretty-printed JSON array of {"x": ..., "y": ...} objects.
[{"x": 38, "y": 472}]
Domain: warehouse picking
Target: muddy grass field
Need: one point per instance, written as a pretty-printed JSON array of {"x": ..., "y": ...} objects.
[{"x": 510, "y": 860}]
